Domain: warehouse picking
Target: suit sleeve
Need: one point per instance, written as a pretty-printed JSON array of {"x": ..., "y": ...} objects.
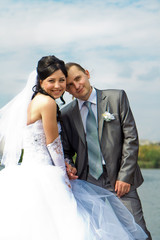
[
  {"x": 67, "y": 147},
  {"x": 130, "y": 141}
]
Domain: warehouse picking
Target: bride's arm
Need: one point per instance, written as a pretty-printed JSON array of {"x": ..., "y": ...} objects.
[
  {"x": 53, "y": 141},
  {"x": 49, "y": 119},
  {"x": 56, "y": 153}
]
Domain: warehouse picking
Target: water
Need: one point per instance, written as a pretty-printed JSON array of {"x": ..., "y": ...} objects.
[{"x": 149, "y": 194}]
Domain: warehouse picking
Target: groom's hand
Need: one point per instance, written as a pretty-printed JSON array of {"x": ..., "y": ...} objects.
[
  {"x": 71, "y": 171},
  {"x": 121, "y": 188}
]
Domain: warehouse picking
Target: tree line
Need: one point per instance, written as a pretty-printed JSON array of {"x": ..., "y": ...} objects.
[{"x": 149, "y": 156}]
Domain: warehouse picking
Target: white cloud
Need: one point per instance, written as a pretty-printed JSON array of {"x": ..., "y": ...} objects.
[
  {"x": 60, "y": 24},
  {"x": 118, "y": 41}
]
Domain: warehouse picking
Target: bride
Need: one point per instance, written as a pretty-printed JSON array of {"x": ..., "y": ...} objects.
[{"x": 38, "y": 201}]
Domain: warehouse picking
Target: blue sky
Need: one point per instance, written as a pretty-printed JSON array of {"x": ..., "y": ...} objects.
[{"x": 118, "y": 41}]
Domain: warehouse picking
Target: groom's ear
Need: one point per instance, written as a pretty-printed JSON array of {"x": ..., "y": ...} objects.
[{"x": 87, "y": 73}]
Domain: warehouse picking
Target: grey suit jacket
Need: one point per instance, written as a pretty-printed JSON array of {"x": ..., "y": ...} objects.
[{"x": 118, "y": 138}]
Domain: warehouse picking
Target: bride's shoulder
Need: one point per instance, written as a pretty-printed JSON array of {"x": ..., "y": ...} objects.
[{"x": 44, "y": 101}]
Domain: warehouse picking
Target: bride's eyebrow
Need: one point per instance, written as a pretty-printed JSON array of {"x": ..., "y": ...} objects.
[{"x": 50, "y": 79}]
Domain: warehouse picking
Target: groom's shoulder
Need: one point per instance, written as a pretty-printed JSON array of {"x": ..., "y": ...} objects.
[
  {"x": 68, "y": 108},
  {"x": 115, "y": 93}
]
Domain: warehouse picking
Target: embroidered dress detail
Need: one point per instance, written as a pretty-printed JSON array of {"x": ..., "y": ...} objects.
[
  {"x": 34, "y": 145},
  {"x": 57, "y": 146}
]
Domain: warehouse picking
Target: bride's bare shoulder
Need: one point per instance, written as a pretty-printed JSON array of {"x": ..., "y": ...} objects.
[
  {"x": 43, "y": 101},
  {"x": 41, "y": 105}
]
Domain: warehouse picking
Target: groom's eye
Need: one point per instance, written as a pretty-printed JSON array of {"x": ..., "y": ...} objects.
[{"x": 77, "y": 78}]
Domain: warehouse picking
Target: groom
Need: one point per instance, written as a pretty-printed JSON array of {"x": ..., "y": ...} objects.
[{"x": 103, "y": 135}]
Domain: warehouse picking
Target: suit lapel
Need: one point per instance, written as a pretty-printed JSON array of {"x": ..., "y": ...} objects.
[
  {"x": 101, "y": 108},
  {"x": 76, "y": 116}
]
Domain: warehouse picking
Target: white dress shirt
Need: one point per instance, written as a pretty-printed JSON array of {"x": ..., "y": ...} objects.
[{"x": 84, "y": 110}]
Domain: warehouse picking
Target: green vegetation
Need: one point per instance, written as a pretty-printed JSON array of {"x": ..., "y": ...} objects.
[{"x": 149, "y": 156}]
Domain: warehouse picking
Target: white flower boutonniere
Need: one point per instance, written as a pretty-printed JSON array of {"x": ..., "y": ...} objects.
[{"x": 108, "y": 116}]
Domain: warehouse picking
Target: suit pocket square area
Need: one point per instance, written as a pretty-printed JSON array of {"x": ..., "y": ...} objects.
[{"x": 108, "y": 117}]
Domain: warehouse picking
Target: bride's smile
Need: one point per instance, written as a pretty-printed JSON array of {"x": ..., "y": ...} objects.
[{"x": 55, "y": 84}]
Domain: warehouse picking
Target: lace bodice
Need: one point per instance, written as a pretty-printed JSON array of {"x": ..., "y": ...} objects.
[{"x": 34, "y": 145}]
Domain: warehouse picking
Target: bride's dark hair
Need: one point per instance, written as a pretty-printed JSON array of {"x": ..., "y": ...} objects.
[{"x": 45, "y": 67}]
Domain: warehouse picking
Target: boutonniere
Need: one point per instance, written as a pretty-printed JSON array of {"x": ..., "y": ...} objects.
[{"x": 108, "y": 116}]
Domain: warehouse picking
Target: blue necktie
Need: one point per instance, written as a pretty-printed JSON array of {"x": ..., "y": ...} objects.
[{"x": 94, "y": 152}]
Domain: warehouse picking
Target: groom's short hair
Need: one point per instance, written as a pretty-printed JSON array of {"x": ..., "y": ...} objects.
[{"x": 71, "y": 64}]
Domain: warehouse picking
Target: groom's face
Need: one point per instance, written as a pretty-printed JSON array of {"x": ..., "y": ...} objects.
[{"x": 78, "y": 83}]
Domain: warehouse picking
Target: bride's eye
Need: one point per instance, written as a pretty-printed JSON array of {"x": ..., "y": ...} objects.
[
  {"x": 51, "y": 80},
  {"x": 61, "y": 79}
]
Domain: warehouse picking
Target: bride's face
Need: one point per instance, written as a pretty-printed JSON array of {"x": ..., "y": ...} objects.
[{"x": 55, "y": 84}]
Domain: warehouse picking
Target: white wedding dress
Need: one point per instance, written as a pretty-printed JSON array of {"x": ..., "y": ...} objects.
[{"x": 37, "y": 204}]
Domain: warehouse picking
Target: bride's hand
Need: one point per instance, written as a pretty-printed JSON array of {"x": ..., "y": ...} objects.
[{"x": 71, "y": 171}]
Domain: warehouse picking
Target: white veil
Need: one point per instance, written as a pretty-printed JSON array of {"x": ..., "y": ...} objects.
[{"x": 13, "y": 118}]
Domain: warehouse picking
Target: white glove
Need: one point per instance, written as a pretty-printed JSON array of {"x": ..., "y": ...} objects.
[{"x": 56, "y": 152}]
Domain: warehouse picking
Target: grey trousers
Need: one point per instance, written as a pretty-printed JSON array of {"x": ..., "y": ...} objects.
[{"x": 130, "y": 200}]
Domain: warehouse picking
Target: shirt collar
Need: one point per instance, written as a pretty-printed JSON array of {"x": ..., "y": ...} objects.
[{"x": 92, "y": 99}]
